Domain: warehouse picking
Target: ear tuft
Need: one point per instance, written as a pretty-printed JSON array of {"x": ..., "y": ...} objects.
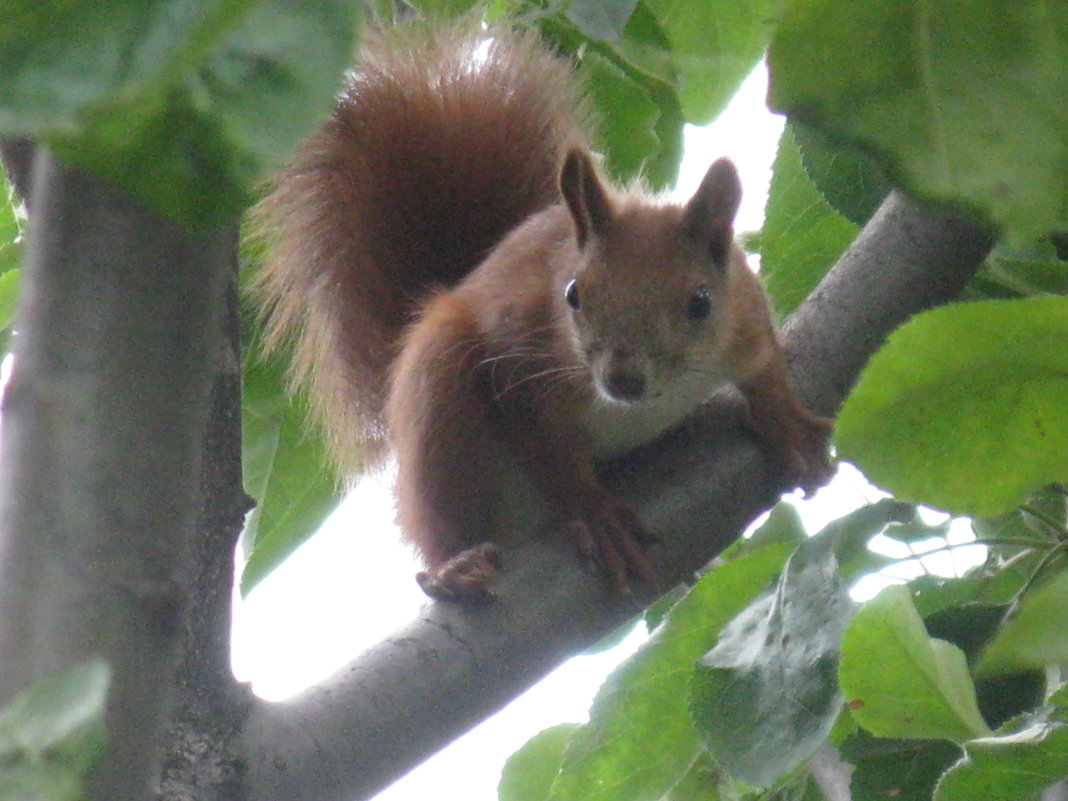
[
  {"x": 711, "y": 211},
  {"x": 585, "y": 195}
]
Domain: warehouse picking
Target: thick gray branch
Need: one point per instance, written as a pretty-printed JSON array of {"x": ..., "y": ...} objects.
[
  {"x": 102, "y": 438},
  {"x": 411, "y": 694}
]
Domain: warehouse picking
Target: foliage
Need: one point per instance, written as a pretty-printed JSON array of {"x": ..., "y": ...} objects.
[
  {"x": 52, "y": 733},
  {"x": 183, "y": 104},
  {"x": 10, "y": 255},
  {"x": 980, "y": 390},
  {"x": 949, "y": 686},
  {"x": 283, "y": 465},
  {"x": 763, "y": 710},
  {"x": 963, "y": 100}
]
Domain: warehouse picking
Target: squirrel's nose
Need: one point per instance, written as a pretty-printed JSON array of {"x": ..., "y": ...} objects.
[
  {"x": 626, "y": 384},
  {"x": 626, "y": 375}
]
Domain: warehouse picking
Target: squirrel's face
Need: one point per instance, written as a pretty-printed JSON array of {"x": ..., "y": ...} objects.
[
  {"x": 649, "y": 295},
  {"x": 648, "y": 312}
]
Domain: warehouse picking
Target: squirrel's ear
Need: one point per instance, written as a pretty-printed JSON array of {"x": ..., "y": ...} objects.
[
  {"x": 710, "y": 212},
  {"x": 585, "y": 196}
]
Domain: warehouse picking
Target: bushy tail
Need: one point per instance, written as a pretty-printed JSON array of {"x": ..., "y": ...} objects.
[{"x": 441, "y": 143}]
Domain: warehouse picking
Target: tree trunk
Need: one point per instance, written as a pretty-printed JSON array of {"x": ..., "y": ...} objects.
[{"x": 103, "y": 432}]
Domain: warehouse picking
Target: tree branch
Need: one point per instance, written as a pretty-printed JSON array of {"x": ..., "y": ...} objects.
[
  {"x": 697, "y": 489},
  {"x": 103, "y": 430}
]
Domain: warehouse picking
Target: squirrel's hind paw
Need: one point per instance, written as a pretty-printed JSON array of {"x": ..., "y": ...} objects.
[{"x": 468, "y": 577}]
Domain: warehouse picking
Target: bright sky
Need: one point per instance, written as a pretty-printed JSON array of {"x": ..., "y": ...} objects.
[{"x": 352, "y": 584}]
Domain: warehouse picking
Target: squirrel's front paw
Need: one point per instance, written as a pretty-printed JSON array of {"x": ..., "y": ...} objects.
[
  {"x": 806, "y": 450},
  {"x": 468, "y": 577},
  {"x": 609, "y": 533}
]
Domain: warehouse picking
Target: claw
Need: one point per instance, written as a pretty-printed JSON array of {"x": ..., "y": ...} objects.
[
  {"x": 613, "y": 534},
  {"x": 467, "y": 577}
]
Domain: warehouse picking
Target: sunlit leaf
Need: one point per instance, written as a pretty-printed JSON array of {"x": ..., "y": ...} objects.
[
  {"x": 716, "y": 44},
  {"x": 529, "y": 772},
  {"x": 898, "y": 682},
  {"x": 965, "y": 99},
  {"x": 803, "y": 235},
  {"x": 1010, "y": 766},
  {"x": 286, "y": 471},
  {"x": 963, "y": 407},
  {"x": 1035, "y": 633}
]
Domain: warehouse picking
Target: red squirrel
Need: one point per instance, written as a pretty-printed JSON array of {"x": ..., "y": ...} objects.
[{"x": 455, "y": 277}]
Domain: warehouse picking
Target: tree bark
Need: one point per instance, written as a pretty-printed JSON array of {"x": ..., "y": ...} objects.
[
  {"x": 103, "y": 431},
  {"x": 199, "y": 762},
  {"x": 697, "y": 489}
]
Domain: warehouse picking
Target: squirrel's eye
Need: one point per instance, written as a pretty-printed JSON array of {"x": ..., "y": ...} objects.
[
  {"x": 571, "y": 295},
  {"x": 700, "y": 305}
]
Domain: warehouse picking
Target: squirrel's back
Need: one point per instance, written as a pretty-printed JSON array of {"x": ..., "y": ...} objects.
[{"x": 441, "y": 143}]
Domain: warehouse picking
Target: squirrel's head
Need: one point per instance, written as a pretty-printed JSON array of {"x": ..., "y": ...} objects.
[{"x": 648, "y": 296}]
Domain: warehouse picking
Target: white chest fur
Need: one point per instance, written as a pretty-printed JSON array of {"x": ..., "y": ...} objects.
[{"x": 619, "y": 427}]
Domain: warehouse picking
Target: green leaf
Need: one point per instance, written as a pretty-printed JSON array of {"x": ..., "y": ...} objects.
[
  {"x": 916, "y": 530},
  {"x": 852, "y": 532},
  {"x": 183, "y": 104},
  {"x": 1034, "y": 635},
  {"x": 765, "y": 697},
  {"x": 640, "y": 741},
  {"x": 1008, "y": 767},
  {"x": 39, "y": 782},
  {"x": 433, "y": 9},
  {"x": 702, "y": 782},
  {"x": 803, "y": 235},
  {"x": 716, "y": 44},
  {"x": 782, "y": 526},
  {"x": 965, "y": 99},
  {"x": 970, "y": 627},
  {"x": 1007, "y": 696},
  {"x": 65, "y": 707},
  {"x": 902, "y": 770},
  {"x": 9, "y": 294},
  {"x": 658, "y": 610},
  {"x": 898, "y": 682},
  {"x": 995, "y": 582},
  {"x": 646, "y": 48},
  {"x": 61, "y": 61},
  {"x": 628, "y": 116},
  {"x": 1026, "y": 277},
  {"x": 529, "y": 773},
  {"x": 52, "y": 733},
  {"x": 286, "y": 470},
  {"x": 1041, "y": 518},
  {"x": 10, "y": 244},
  {"x": 1059, "y": 697},
  {"x": 851, "y": 181},
  {"x": 963, "y": 407},
  {"x": 601, "y": 19},
  {"x": 661, "y": 169}
]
